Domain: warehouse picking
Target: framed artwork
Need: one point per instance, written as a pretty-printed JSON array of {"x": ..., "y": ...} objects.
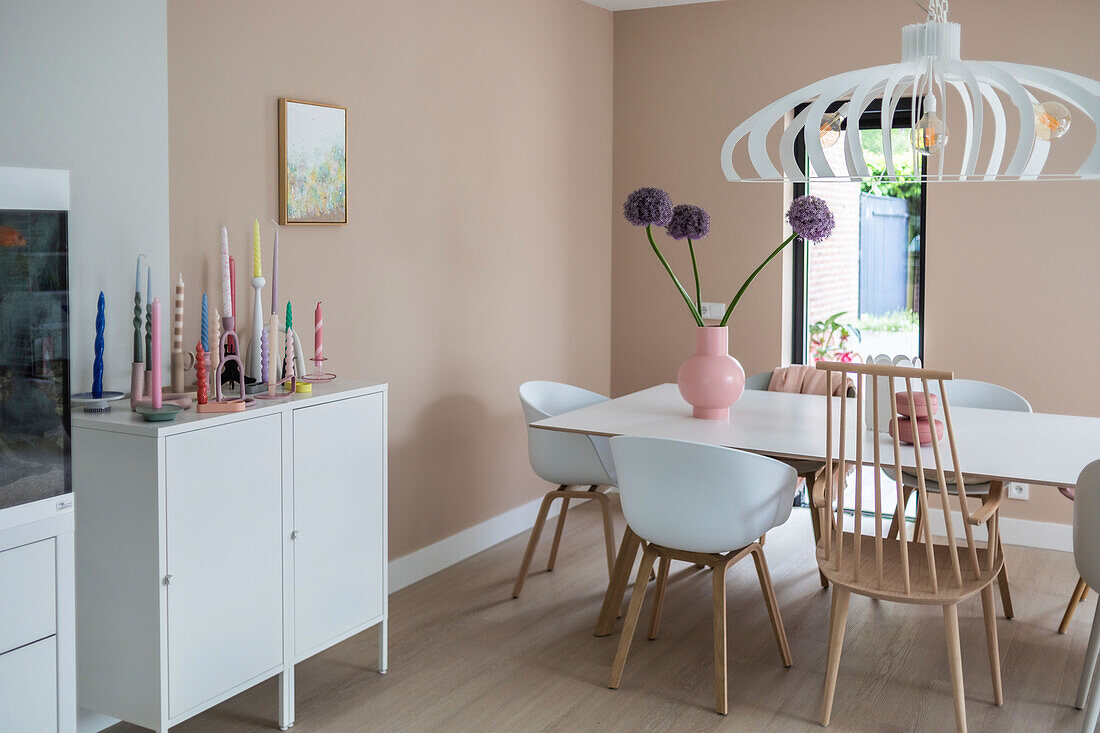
[{"x": 312, "y": 163}]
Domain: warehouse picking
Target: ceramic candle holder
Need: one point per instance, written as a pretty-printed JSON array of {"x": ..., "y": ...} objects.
[{"x": 228, "y": 333}]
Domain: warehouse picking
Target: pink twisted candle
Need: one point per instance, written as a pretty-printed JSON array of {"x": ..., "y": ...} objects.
[
  {"x": 155, "y": 359},
  {"x": 288, "y": 360},
  {"x": 318, "y": 341},
  {"x": 264, "y": 359}
]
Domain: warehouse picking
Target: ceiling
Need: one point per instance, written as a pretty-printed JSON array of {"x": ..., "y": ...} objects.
[{"x": 635, "y": 4}]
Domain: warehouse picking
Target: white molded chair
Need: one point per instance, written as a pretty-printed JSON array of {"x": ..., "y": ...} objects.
[
  {"x": 706, "y": 505},
  {"x": 1086, "y": 553},
  {"x": 566, "y": 459},
  {"x": 989, "y": 396}
]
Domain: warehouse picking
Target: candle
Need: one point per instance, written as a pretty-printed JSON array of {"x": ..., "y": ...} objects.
[
  {"x": 288, "y": 360},
  {"x": 264, "y": 356},
  {"x": 227, "y": 302},
  {"x": 257, "y": 271},
  {"x": 275, "y": 272},
  {"x": 148, "y": 317},
  {"x": 318, "y": 345},
  {"x": 200, "y": 373},
  {"x": 216, "y": 354},
  {"x": 156, "y": 386},
  {"x": 289, "y": 318},
  {"x": 177, "y": 319},
  {"x": 137, "y": 313},
  {"x": 97, "y": 365},
  {"x": 232, "y": 288},
  {"x": 204, "y": 326}
]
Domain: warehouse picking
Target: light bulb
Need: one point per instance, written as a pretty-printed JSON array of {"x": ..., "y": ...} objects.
[
  {"x": 1052, "y": 120},
  {"x": 830, "y": 129},
  {"x": 930, "y": 134}
]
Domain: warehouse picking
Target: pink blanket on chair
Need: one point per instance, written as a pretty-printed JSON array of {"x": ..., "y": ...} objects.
[{"x": 801, "y": 379}]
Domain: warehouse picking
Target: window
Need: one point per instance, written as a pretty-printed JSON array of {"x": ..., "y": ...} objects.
[{"x": 861, "y": 291}]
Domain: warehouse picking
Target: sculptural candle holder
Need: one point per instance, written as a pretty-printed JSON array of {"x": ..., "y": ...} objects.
[
  {"x": 225, "y": 358},
  {"x": 318, "y": 375}
]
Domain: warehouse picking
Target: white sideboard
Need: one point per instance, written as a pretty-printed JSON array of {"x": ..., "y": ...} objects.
[
  {"x": 218, "y": 550},
  {"x": 37, "y": 618}
]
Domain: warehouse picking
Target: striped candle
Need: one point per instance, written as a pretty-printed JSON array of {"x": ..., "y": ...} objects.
[
  {"x": 204, "y": 326},
  {"x": 177, "y": 318},
  {"x": 318, "y": 341}
]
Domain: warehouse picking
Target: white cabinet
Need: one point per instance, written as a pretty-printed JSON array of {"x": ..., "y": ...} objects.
[
  {"x": 217, "y": 551},
  {"x": 224, "y": 579},
  {"x": 338, "y": 521},
  {"x": 28, "y": 688}
]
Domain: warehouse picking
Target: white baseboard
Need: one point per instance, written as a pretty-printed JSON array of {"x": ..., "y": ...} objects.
[
  {"x": 1023, "y": 532},
  {"x": 405, "y": 571}
]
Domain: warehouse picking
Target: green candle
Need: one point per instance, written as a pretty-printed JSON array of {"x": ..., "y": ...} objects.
[{"x": 289, "y": 317}]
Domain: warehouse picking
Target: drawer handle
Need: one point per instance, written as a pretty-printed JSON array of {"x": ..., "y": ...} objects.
[{"x": 295, "y": 534}]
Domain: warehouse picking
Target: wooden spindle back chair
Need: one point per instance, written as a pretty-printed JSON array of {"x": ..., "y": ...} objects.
[{"x": 904, "y": 570}]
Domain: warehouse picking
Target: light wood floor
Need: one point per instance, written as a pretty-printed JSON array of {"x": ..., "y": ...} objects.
[{"x": 466, "y": 657}]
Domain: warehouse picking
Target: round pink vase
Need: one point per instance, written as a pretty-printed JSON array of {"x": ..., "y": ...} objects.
[{"x": 712, "y": 380}]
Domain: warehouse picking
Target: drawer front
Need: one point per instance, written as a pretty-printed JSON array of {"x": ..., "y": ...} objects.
[
  {"x": 224, "y": 541},
  {"x": 28, "y": 688},
  {"x": 338, "y": 513},
  {"x": 28, "y": 580}
]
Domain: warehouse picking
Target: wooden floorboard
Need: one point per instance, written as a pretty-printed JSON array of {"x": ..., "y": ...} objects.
[{"x": 465, "y": 656}]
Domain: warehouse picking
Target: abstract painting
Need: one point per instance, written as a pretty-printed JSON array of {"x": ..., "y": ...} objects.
[{"x": 312, "y": 163}]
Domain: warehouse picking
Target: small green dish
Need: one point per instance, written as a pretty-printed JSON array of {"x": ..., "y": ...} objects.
[{"x": 164, "y": 413}]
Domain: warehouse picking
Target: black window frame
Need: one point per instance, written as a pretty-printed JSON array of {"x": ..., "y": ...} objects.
[{"x": 870, "y": 120}]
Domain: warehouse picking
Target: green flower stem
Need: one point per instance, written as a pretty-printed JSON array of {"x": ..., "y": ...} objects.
[
  {"x": 683, "y": 293},
  {"x": 748, "y": 281},
  {"x": 695, "y": 268}
]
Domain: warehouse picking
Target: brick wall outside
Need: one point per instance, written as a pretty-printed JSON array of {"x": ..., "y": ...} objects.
[{"x": 834, "y": 263}]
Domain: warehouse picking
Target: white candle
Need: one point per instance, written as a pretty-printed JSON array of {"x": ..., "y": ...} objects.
[{"x": 227, "y": 298}]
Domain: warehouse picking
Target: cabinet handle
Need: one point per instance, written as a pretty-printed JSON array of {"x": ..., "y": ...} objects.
[
  {"x": 168, "y": 580},
  {"x": 295, "y": 534}
]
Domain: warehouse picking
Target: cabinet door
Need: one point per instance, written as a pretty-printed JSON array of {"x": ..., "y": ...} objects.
[
  {"x": 224, "y": 537},
  {"x": 28, "y": 688},
  {"x": 338, "y": 506},
  {"x": 28, "y": 574}
]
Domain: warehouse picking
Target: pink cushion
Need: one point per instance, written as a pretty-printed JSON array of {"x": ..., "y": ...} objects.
[
  {"x": 920, "y": 402},
  {"x": 924, "y": 431}
]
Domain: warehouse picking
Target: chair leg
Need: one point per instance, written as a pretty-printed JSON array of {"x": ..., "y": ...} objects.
[
  {"x": 954, "y": 658},
  {"x": 838, "y": 618},
  {"x": 1091, "y": 654},
  {"x": 632, "y": 614},
  {"x": 532, "y": 543},
  {"x": 1085, "y": 594},
  {"x": 1002, "y": 578},
  {"x": 620, "y": 578},
  {"x": 557, "y": 536},
  {"x": 989, "y": 610},
  {"x": 659, "y": 597},
  {"x": 899, "y": 515},
  {"x": 608, "y": 532},
  {"x": 773, "y": 606},
  {"x": 1078, "y": 595},
  {"x": 718, "y": 575},
  {"x": 815, "y": 520}
]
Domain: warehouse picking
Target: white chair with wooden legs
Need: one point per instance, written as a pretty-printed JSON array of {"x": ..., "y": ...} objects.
[
  {"x": 989, "y": 396},
  {"x": 1081, "y": 591},
  {"x": 706, "y": 505},
  {"x": 903, "y": 570},
  {"x": 1086, "y": 553},
  {"x": 567, "y": 459}
]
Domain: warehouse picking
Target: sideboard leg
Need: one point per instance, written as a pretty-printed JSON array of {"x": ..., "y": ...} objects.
[
  {"x": 286, "y": 699},
  {"x": 383, "y": 646}
]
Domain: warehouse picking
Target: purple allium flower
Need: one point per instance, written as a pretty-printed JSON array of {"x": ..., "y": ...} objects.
[
  {"x": 692, "y": 222},
  {"x": 648, "y": 206},
  {"x": 810, "y": 218}
]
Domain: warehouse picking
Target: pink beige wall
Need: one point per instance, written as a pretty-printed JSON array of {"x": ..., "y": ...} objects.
[
  {"x": 1011, "y": 267},
  {"x": 476, "y": 254}
]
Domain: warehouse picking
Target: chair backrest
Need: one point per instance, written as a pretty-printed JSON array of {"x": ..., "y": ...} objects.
[
  {"x": 558, "y": 457},
  {"x": 1086, "y": 524},
  {"x": 845, "y": 438},
  {"x": 697, "y": 497},
  {"x": 975, "y": 393},
  {"x": 759, "y": 381}
]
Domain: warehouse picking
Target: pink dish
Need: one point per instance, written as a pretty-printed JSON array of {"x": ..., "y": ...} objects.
[
  {"x": 924, "y": 431},
  {"x": 920, "y": 402}
]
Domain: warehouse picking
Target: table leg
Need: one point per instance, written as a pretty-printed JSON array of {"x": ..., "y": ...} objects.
[{"x": 616, "y": 589}]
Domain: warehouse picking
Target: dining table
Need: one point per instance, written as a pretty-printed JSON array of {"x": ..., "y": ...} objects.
[{"x": 992, "y": 445}]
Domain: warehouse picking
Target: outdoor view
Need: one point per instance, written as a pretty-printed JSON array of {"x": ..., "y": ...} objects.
[{"x": 863, "y": 285}]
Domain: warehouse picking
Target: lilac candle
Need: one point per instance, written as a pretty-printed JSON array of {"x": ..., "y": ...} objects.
[{"x": 155, "y": 393}]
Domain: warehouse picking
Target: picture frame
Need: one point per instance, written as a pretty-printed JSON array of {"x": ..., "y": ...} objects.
[{"x": 312, "y": 162}]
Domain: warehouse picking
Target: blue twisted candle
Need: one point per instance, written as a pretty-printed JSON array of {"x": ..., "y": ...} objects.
[
  {"x": 204, "y": 326},
  {"x": 97, "y": 365}
]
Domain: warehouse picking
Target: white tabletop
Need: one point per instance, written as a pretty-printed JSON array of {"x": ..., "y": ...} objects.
[{"x": 1028, "y": 447}]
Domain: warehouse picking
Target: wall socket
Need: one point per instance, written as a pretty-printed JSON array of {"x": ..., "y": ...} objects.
[
  {"x": 1017, "y": 491},
  {"x": 713, "y": 311}
]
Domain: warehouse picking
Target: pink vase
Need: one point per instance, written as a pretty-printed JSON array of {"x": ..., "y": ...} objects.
[{"x": 712, "y": 380}]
